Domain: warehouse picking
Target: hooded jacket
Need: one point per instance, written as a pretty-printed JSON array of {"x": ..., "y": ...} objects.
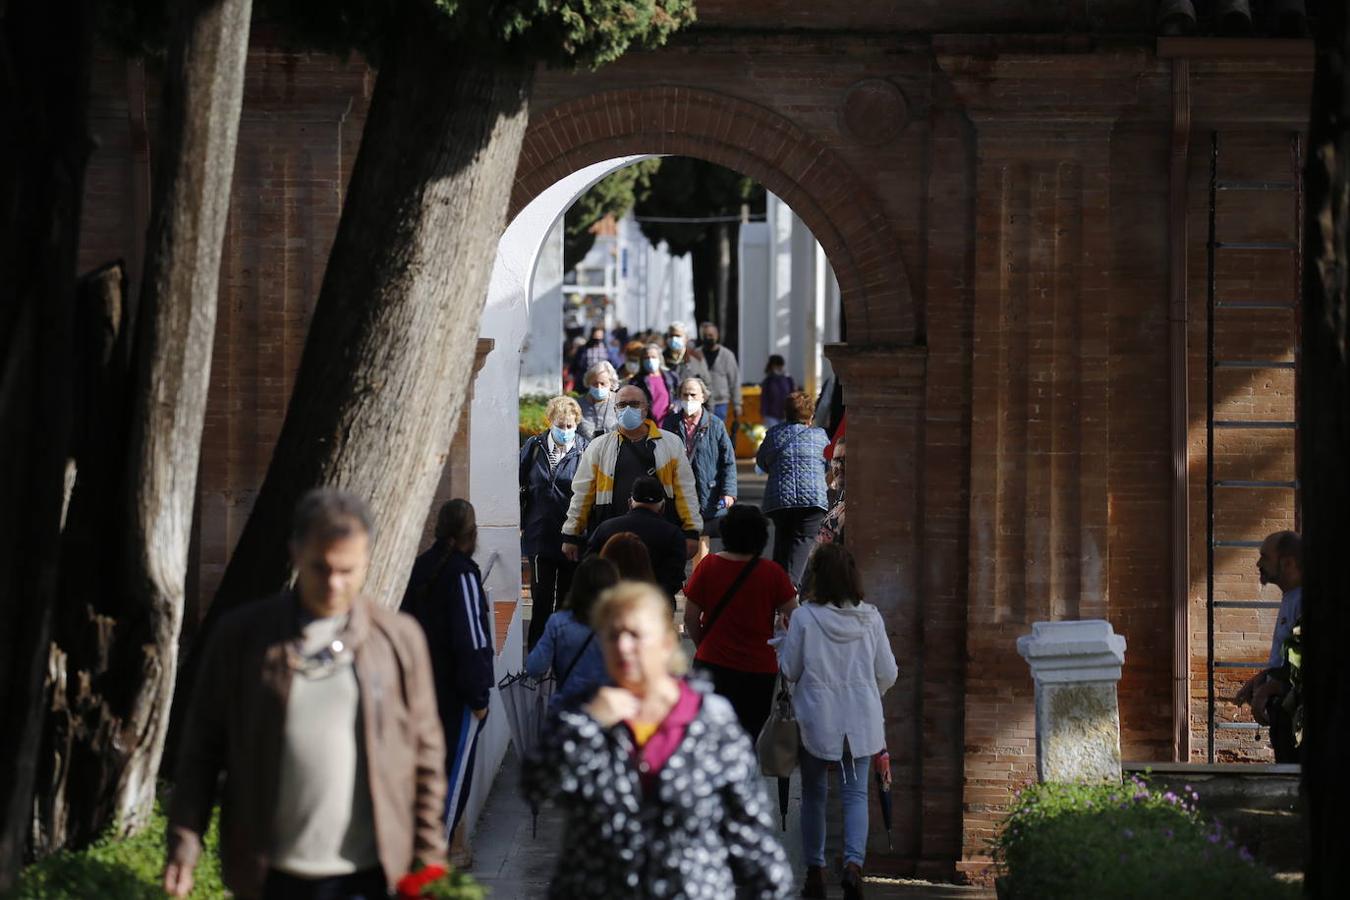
[{"x": 841, "y": 662}]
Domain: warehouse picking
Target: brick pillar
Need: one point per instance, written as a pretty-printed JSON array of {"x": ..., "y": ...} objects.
[
  {"x": 1040, "y": 370},
  {"x": 884, "y": 393}
]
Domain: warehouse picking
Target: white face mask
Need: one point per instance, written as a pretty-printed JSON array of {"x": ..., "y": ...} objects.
[{"x": 692, "y": 407}]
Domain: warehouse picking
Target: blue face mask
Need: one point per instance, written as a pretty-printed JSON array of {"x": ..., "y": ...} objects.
[
  {"x": 630, "y": 417},
  {"x": 649, "y": 364},
  {"x": 676, "y": 342},
  {"x": 563, "y": 435},
  {"x": 599, "y": 393}
]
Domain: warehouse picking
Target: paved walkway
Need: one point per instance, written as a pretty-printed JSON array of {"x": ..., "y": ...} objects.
[
  {"x": 515, "y": 858},
  {"x": 515, "y": 862}
]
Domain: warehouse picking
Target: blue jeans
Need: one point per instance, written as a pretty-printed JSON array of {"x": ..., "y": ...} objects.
[
  {"x": 853, "y": 792},
  {"x": 720, "y": 410}
]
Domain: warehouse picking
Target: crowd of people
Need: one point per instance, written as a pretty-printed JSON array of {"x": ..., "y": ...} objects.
[
  {"x": 633, "y": 484},
  {"x": 340, "y": 736}
]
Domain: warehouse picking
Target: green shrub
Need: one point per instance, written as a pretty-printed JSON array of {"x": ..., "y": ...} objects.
[
  {"x": 1120, "y": 841},
  {"x": 113, "y": 869}
]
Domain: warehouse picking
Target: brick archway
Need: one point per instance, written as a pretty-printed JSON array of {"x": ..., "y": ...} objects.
[{"x": 840, "y": 210}]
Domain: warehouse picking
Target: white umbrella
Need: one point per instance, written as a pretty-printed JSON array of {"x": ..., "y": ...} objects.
[{"x": 525, "y": 701}]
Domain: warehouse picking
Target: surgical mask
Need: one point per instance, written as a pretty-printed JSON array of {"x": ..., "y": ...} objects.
[
  {"x": 563, "y": 435},
  {"x": 599, "y": 393},
  {"x": 630, "y": 417},
  {"x": 651, "y": 365},
  {"x": 631, "y": 366},
  {"x": 676, "y": 342}
]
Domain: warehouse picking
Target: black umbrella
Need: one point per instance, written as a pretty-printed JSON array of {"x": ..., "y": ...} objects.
[{"x": 882, "y": 764}]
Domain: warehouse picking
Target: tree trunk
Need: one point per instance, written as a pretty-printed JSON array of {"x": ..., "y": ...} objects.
[
  {"x": 389, "y": 355},
  {"x": 114, "y": 662},
  {"x": 43, "y": 149},
  {"x": 1324, "y": 418}
]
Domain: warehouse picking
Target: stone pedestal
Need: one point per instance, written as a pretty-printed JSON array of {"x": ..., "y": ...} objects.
[{"x": 1076, "y": 666}]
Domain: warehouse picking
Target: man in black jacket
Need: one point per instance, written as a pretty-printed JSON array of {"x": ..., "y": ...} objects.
[
  {"x": 664, "y": 540},
  {"x": 445, "y": 594}
]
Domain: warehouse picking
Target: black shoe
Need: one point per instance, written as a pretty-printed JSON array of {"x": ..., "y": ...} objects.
[
  {"x": 815, "y": 883},
  {"x": 852, "y": 882}
]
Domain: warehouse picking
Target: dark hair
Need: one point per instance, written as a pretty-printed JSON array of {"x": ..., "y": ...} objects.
[
  {"x": 629, "y": 555},
  {"x": 744, "y": 530},
  {"x": 831, "y": 576},
  {"x": 592, "y": 578},
  {"x": 328, "y": 514},
  {"x": 453, "y": 519},
  {"x": 799, "y": 407},
  {"x": 1289, "y": 545},
  {"x": 775, "y": 359}
]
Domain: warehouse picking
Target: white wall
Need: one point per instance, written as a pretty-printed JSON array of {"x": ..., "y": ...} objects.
[
  {"x": 789, "y": 297},
  {"x": 541, "y": 357},
  {"x": 493, "y": 442}
]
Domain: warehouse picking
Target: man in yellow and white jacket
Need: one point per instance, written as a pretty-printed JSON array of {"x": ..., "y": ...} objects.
[{"x": 613, "y": 461}]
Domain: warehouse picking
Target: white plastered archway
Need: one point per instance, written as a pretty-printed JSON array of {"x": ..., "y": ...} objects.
[{"x": 493, "y": 441}]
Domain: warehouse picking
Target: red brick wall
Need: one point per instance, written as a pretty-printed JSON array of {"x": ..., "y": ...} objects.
[{"x": 1001, "y": 245}]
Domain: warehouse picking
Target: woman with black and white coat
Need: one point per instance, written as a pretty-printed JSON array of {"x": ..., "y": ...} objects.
[
  {"x": 659, "y": 783},
  {"x": 837, "y": 654}
]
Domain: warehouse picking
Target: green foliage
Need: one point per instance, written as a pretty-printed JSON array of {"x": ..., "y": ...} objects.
[
  {"x": 532, "y": 415},
  {"x": 585, "y": 33},
  {"x": 455, "y": 886},
  {"x": 685, "y": 187},
  {"x": 1122, "y": 841},
  {"x": 113, "y": 869},
  {"x": 614, "y": 195}
]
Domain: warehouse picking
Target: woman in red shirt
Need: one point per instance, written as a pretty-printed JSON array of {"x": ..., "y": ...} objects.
[{"x": 733, "y": 598}]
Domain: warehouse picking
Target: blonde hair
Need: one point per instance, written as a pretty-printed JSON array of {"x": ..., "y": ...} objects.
[
  {"x": 627, "y": 596},
  {"x": 559, "y": 405}
]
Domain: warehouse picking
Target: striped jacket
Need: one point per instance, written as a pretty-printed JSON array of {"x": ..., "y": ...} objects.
[
  {"x": 593, "y": 497},
  {"x": 445, "y": 594}
]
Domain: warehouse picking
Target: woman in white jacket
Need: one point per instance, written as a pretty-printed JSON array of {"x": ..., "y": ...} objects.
[{"x": 837, "y": 653}]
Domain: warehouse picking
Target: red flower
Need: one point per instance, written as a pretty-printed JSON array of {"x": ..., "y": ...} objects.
[{"x": 410, "y": 886}]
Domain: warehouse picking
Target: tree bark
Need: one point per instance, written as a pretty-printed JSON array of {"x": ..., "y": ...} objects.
[
  {"x": 1324, "y": 420},
  {"x": 43, "y": 149},
  {"x": 388, "y": 359},
  {"x": 113, "y": 665}
]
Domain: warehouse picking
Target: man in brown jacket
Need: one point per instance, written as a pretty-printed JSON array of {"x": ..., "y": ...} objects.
[{"x": 318, "y": 707}]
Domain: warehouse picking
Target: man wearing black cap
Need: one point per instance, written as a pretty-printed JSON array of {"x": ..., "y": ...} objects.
[{"x": 663, "y": 539}]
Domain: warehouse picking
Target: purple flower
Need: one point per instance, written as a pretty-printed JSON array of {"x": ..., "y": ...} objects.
[
  {"x": 1171, "y": 797},
  {"x": 1168, "y": 832},
  {"x": 1213, "y": 838},
  {"x": 1245, "y": 855}
]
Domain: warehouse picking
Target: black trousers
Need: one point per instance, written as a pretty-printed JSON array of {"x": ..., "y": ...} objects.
[
  {"x": 368, "y": 884},
  {"x": 1282, "y": 732},
  {"x": 550, "y": 580},
  {"x": 794, "y": 536},
  {"x": 750, "y": 694}
]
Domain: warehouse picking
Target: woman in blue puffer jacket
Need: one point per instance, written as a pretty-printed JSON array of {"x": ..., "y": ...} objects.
[
  {"x": 708, "y": 447},
  {"x": 795, "y": 496}
]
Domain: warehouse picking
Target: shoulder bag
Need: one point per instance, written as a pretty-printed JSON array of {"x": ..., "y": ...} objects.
[{"x": 779, "y": 739}]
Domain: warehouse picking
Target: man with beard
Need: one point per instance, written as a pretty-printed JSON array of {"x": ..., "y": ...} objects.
[
  {"x": 1280, "y": 564},
  {"x": 445, "y": 594}
]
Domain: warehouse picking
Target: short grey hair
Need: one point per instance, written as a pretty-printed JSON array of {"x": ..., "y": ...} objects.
[
  {"x": 702, "y": 385},
  {"x": 604, "y": 367},
  {"x": 677, "y": 327},
  {"x": 329, "y": 514}
]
